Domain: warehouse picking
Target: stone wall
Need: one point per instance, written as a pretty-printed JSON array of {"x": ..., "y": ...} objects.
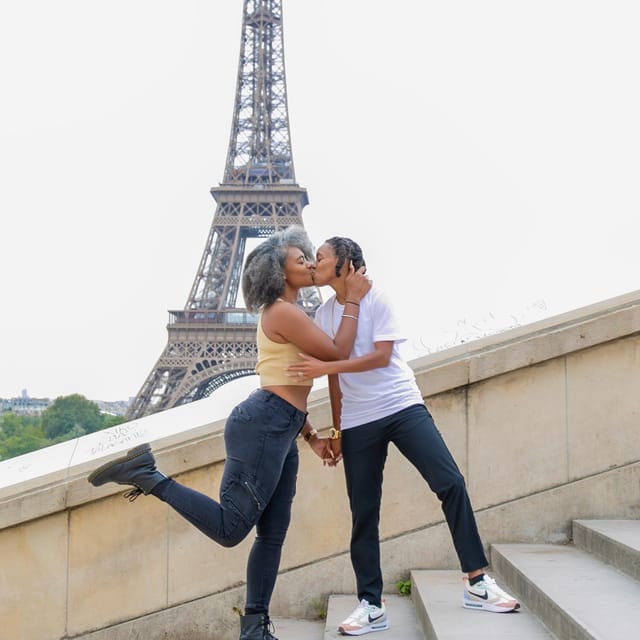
[{"x": 544, "y": 421}]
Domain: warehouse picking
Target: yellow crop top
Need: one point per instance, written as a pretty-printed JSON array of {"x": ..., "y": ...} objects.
[{"x": 273, "y": 358}]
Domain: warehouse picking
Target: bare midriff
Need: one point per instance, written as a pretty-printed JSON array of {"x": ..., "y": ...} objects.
[{"x": 295, "y": 395}]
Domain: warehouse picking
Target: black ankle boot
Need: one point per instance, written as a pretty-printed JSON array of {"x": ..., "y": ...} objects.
[
  {"x": 137, "y": 468},
  {"x": 256, "y": 626}
]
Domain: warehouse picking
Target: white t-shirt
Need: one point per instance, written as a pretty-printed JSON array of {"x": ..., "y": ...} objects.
[{"x": 375, "y": 394}]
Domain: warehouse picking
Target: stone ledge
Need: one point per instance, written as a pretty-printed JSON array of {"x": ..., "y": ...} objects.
[
  {"x": 190, "y": 436},
  {"x": 528, "y": 345},
  {"x": 299, "y": 590}
]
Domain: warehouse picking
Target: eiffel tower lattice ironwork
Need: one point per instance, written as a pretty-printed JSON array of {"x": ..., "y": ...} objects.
[{"x": 212, "y": 341}]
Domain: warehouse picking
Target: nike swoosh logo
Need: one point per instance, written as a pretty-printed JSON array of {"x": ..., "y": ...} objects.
[
  {"x": 376, "y": 618},
  {"x": 484, "y": 597}
]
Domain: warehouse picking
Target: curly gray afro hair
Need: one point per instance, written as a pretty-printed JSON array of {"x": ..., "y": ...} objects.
[{"x": 263, "y": 275}]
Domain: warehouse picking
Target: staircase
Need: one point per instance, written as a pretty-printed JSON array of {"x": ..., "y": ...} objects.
[{"x": 587, "y": 590}]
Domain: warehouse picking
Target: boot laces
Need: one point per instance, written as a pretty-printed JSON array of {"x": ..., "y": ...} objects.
[
  {"x": 268, "y": 628},
  {"x": 132, "y": 494}
]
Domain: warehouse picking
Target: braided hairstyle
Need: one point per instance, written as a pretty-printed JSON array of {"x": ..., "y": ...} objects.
[{"x": 346, "y": 249}]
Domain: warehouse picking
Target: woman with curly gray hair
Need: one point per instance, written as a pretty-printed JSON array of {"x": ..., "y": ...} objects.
[
  {"x": 263, "y": 278},
  {"x": 258, "y": 483}
]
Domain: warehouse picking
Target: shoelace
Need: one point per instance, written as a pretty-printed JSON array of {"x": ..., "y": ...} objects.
[
  {"x": 363, "y": 608},
  {"x": 268, "y": 628},
  {"x": 132, "y": 494},
  {"x": 490, "y": 586}
]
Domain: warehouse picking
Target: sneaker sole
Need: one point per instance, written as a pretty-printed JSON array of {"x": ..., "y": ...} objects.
[
  {"x": 382, "y": 626},
  {"x": 131, "y": 454},
  {"x": 486, "y": 606}
]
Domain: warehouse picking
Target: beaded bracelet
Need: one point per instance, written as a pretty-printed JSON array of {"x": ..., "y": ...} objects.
[{"x": 310, "y": 434}]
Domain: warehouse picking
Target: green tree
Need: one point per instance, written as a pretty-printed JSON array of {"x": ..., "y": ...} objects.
[
  {"x": 70, "y": 417},
  {"x": 111, "y": 421},
  {"x": 10, "y": 424},
  {"x": 67, "y": 418},
  {"x": 20, "y": 434}
]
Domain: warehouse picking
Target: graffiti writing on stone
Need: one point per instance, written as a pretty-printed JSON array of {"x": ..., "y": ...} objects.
[{"x": 118, "y": 436}]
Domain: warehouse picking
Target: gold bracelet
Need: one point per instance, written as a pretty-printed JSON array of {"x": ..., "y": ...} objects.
[
  {"x": 346, "y": 315},
  {"x": 352, "y": 302}
]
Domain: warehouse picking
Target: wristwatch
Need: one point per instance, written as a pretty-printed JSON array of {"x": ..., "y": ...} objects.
[{"x": 334, "y": 434}]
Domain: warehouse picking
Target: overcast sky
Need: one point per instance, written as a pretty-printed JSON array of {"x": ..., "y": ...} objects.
[{"x": 485, "y": 155}]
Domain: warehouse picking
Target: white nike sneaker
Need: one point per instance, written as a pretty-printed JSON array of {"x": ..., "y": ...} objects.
[
  {"x": 364, "y": 619},
  {"x": 486, "y": 595}
]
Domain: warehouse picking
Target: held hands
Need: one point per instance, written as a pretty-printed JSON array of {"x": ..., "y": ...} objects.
[
  {"x": 328, "y": 450},
  {"x": 336, "y": 449}
]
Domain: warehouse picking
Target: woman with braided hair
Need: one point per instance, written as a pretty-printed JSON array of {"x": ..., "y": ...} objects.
[{"x": 375, "y": 401}]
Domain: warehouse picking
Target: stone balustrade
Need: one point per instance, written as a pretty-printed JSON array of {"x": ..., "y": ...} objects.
[{"x": 544, "y": 421}]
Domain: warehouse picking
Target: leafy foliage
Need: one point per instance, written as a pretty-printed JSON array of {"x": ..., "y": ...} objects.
[
  {"x": 71, "y": 415},
  {"x": 404, "y": 587},
  {"x": 20, "y": 434},
  {"x": 67, "y": 418}
]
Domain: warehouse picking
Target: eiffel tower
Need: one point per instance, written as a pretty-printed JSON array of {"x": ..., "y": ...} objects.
[{"x": 212, "y": 341}]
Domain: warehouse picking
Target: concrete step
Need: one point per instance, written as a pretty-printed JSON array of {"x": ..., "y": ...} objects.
[
  {"x": 438, "y": 600},
  {"x": 403, "y": 622},
  {"x": 573, "y": 593},
  {"x": 290, "y": 629},
  {"x": 402, "y": 618},
  {"x": 570, "y": 589},
  {"x": 616, "y": 542}
]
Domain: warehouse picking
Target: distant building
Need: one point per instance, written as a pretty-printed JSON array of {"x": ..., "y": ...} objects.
[
  {"x": 24, "y": 405},
  {"x": 117, "y": 408}
]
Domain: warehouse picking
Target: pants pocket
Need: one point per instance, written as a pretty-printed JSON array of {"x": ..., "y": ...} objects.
[{"x": 242, "y": 496}]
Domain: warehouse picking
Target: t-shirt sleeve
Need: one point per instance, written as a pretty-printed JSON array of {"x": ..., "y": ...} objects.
[{"x": 385, "y": 326}]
